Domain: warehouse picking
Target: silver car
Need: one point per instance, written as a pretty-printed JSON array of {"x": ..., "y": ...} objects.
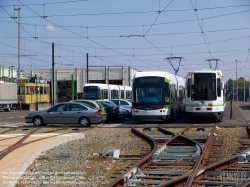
[
  {"x": 122, "y": 103},
  {"x": 65, "y": 113}
]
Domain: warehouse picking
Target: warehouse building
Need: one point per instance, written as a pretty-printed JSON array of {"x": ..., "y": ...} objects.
[{"x": 63, "y": 78}]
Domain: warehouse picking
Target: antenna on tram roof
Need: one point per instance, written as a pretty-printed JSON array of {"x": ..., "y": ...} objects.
[
  {"x": 170, "y": 59},
  {"x": 210, "y": 63}
]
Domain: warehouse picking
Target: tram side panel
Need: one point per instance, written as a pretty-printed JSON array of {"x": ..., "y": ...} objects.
[{"x": 32, "y": 93}]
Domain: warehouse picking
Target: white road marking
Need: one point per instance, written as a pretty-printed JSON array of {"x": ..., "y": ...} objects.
[{"x": 7, "y": 124}]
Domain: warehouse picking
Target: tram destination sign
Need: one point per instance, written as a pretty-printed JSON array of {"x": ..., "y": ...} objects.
[{"x": 149, "y": 80}]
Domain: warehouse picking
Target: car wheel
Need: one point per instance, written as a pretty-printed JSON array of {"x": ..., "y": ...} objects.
[
  {"x": 37, "y": 121},
  {"x": 84, "y": 122},
  {"x": 7, "y": 110}
]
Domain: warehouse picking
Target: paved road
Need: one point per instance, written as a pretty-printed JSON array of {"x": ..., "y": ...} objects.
[
  {"x": 16, "y": 118},
  {"x": 13, "y": 118}
]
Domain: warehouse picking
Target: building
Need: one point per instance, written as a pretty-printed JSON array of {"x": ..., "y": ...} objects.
[{"x": 65, "y": 78}]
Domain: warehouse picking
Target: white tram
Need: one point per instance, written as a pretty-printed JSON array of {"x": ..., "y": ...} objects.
[
  {"x": 205, "y": 96},
  {"x": 157, "y": 95},
  {"x": 96, "y": 91}
]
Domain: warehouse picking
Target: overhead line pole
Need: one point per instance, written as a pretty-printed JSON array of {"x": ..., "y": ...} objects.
[
  {"x": 18, "y": 68},
  {"x": 87, "y": 73},
  {"x": 236, "y": 82},
  {"x": 53, "y": 77}
]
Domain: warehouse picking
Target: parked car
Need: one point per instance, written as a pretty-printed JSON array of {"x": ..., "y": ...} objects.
[
  {"x": 128, "y": 111},
  {"x": 66, "y": 113},
  {"x": 122, "y": 103},
  {"x": 130, "y": 100},
  {"x": 94, "y": 104},
  {"x": 111, "y": 108},
  {"x": 123, "y": 112}
]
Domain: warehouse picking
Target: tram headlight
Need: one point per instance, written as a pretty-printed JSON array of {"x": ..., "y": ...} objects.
[{"x": 196, "y": 104}]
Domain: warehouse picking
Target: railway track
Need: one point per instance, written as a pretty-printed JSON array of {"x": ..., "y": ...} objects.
[
  {"x": 173, "y": 156},
  {"x": 21, "y": 141},
  {"x": 200, "y": 156}
]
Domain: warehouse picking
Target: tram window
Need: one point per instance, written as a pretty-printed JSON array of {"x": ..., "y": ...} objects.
[
  {"x": 114, "y": 94},
  {"x": 41, "y": 90},
  {"x": 188, "y": 87},
  {"x": 167, "y": 94},
  {"x": 45, "y": 90},
  {"x": 122, "y": 94},
  {"x": 218, "y": 88},
  {"x": 104, "y": 94},
  {"x": 22, "y": 88},
  {"x": 128, "y": 94}
]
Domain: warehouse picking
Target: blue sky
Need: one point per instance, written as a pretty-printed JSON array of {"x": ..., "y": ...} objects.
[{"x": 136, "y": 33}]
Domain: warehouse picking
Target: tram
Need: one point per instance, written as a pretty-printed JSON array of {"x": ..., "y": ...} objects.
[
  {"x": 31, "y": 93},
  {"x": 205, "y": 95},
  {"x": 157, "y": 95},
  {"x": 96, "y": 91}
]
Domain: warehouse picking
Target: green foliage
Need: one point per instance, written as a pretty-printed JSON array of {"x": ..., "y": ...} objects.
[{"x": 241, "y": 82}]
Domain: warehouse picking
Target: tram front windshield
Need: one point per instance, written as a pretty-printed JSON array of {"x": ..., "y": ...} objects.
[
  {"x": 148, "y": 90},
  {"x": 91, "y": 92},
  {"x": 203, "y": 86}
]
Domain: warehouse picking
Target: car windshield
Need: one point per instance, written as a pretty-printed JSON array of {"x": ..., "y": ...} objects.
[
  {"x": 88, "y": 105},
  {"x": 111, "y": 103},
  {"x": 107, "y": 104},
  {"x": 99, "y": 104}
]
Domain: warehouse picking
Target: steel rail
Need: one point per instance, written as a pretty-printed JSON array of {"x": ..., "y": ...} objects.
[
  {"x": 118, "y": 182},
  {"x": 16, "y": 145},
  {"x": 223, "y": 164},
  {"x": 20, "y": 142},
  {"x": 202, "y": 159},
  {"x": 187, "y": 178},
  {"x": 13, "y": 128}
]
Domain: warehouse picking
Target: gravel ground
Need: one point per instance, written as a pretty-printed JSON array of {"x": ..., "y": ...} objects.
[
  {"x": 199, "y": 130},
  {"x": 75, "y": 163},
  {"x": 230, "y": 140},
  {"x": 156, "y": 131}
]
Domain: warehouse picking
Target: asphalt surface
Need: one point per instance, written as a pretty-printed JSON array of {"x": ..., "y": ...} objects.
[{"x": 232, "y": 117}]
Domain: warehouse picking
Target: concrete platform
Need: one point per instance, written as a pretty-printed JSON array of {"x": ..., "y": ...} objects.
[
  {"x": 13, "y": 165},
  {"x": 239, "y": 109}
]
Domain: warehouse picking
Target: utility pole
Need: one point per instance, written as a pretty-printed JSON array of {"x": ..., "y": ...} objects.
[
  {"x": 18, "y": 68},
  {"x": 36, "y": 92},
  {"x": 244, "y": 90},
  {"x": 87, "y": 57},
  {"x": 227, "y": 91},
  {"x": 233, "y": 90},
  {"x": 236, "y": 82},
  {"x": 53, "y": 77}
]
